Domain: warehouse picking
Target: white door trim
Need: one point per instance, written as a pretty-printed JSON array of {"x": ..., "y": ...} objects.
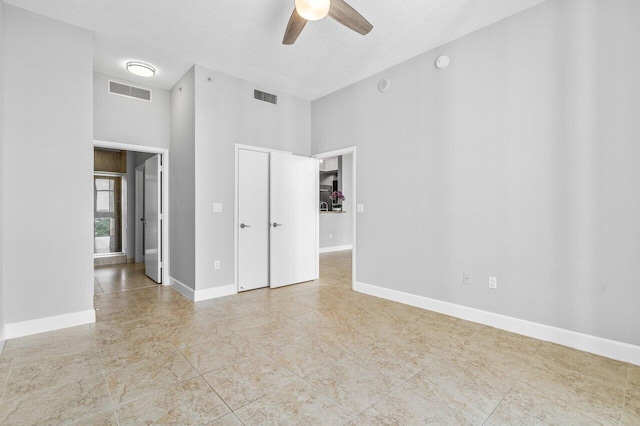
[
  {"x": 236, "y": 206},
  {"x": 335, "y": 153},
  {"x": 164, "y": 152}
]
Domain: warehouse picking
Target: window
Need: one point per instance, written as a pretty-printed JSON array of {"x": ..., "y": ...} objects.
[{"x": 107, "y": 213}]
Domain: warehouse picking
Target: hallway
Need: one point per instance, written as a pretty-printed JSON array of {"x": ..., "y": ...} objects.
[
  {"x": 122, "y": 277},
  {"x": 313, "y": 353}
]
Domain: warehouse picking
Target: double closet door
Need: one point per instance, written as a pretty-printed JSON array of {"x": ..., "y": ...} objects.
[{"x": 277, "y": 219}]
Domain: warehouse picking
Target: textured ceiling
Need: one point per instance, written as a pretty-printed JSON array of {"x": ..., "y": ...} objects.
[{"x": 243, "y": 38}]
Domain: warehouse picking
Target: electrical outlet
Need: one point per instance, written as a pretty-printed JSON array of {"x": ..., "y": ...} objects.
[
  {"x": 359, "y": 208},
  {"x": 466, "y": 278},
  {"x": 493, "y": 283},
  {"x": 217, "y": 207},
  {"x": 216, "y": 264},
  {"x": 330, "y": 236}
]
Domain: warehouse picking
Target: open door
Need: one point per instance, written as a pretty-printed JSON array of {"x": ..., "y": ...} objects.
[
  {"x": 153, "y": 218},
  {"x": 293, "y": 215},
  {"x": 253, "y": 219}
]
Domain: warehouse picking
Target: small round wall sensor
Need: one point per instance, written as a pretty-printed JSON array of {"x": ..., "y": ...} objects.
[
  {"x": 442, "y": 62},
  {"x": 384, "y": 85}
]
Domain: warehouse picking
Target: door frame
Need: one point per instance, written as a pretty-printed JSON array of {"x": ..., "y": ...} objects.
[
  {"x": 353, "y": 206},
  {"x": 164, "y": 153},
  {"x": 236, "y": 204}
]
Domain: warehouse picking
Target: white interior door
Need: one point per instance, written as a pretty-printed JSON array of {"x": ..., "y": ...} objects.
[
  {"x": 294, "y": 210},
  {"x": 153, "y": 218},
  {"x": 253, "y": 219}
]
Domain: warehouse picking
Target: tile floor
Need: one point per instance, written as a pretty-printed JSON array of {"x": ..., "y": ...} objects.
[
  {"x": 314, "y": 353},
  {"x": 120, "y": 277}
]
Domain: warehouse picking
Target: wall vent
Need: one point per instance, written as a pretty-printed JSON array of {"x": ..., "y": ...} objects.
[
  {"x": 120, "y": 89},
  {"x": 265, "y": 97}
]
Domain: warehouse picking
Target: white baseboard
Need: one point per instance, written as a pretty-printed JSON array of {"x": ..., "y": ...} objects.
[
  {"x": 181, "y": 288},
  {"x": 336, "y": 248},
  {"x": 597, "y": 345},
  {"x": 206, "y": 294},
  {"x": 56, "y": 322},
  {"x": 215, "y": 292}
]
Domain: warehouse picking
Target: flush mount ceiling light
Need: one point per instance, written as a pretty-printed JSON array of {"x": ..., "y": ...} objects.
[
  {"x": 141, "y": 69},
  {"x": 312, "y": 10}
]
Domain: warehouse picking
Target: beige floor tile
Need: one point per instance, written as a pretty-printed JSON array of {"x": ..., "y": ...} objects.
[
  {"x": 633, "y": 377},
  {"x": 106, "y": 418},
  {"x": 42, "y": 372},
  {"x": 249, "y": 379},
  {"x": 311, "y": 322},
  {"x": 397, "y": 357},
  {"x": 228, "y": 420},
  {"x": 134, "y": 349},
  {"x": 631, "y": 414},
  {"x": 594, "y": 398},
  {"x": 199, "y": 332},
  {"x": 305, "y": 355},
  {"x": 412, "y": 406},
  {"x": 189, "y": 403},
  {"x": 141, "y": 378},
  {"x": 356, "y": 350},
  {"x": 242, "y": 321},
  {"x": 346, "y": 338},
  {"x": 296, "y": 404},
  {"x": 525, "y": 405},
  {"x": 5, "y": 368},
  {"x": 272, "y": 334},
  {"x": 470, "y": 389},
  {"x": 353, "y": 383},
  {"x": 553, "y": 356},
  {"x": 215, "y": 354},
  {"x": 58, "y": 405}
]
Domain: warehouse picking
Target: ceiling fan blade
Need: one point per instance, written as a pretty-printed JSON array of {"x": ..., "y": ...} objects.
[
  {"x": 294, "y": 28},
  {"x": 347, "y": 16}
]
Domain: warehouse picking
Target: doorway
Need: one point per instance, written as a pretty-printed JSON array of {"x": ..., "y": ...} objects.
[
  {"x": 130, "y": 217},
  {"x": 338, "y": 211}
]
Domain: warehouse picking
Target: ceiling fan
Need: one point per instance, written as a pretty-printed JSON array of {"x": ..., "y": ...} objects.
[{"x": 313, "y": 10}]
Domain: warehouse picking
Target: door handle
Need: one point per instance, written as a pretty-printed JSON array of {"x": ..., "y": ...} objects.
[
  {"x": 242, "y": 225},
  {"x": 275, "y": 225}
]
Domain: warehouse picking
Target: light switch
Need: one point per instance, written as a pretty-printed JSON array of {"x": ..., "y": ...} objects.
[
  {"x": 360, "y": 208},
  {"x": 217, "y": 207}
]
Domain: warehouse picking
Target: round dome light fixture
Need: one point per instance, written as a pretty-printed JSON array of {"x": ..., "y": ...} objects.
[
  {"x": 141, "y": 69},
  {"x": 384, "y": 85},
  {"x": 312, "y": 10},
  {"x": 442, "y": 62}
]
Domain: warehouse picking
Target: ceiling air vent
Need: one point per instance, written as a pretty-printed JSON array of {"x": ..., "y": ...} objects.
[
  {"x": 265, "y": 97},
  {"x": 120, "y": 89}
]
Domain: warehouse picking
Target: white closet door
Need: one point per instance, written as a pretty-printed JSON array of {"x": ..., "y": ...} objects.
[
  {"x": 253, "y": 220},
  {"x": 294, "y": 210},
  {"x": 152, "y": 218}
]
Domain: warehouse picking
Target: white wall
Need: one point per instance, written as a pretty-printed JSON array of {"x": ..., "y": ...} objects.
[
  {"x": 519, "y": 161},
  {"x": 336, "y": 229},
  {"x": 48, "y": 166},
  {"x": 126, "y": 120},
  {"x": 182, "y": 181},
  {"x": 2, "y": 297},
  {"x": 226, "y": 113}
]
